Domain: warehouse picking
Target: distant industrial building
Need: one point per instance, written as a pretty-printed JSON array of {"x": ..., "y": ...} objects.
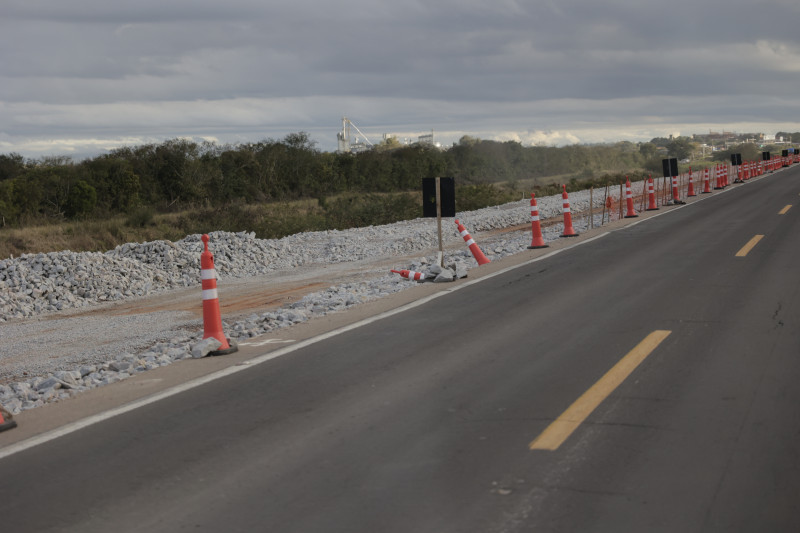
[{"x": 352, "y": 140}]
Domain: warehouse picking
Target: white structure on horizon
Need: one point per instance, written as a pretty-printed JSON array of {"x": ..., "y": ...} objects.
[
  {"x": 426, "y": 139},
  {"x": 349, "y": 144}
]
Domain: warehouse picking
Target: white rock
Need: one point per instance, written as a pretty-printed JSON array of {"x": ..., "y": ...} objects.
[{"x": 204, "y": 347}]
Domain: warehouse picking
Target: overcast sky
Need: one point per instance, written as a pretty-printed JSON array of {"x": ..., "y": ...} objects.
[{"x": 83, "y": 76}]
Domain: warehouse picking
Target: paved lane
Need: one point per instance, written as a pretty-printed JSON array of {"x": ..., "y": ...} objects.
[{"x": 423, "y": 421}]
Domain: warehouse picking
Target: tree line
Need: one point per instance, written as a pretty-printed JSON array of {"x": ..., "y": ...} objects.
[{"x": 179, "y": 173}]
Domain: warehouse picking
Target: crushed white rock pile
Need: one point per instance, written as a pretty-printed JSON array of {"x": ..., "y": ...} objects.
[{"x": 36, "y": 284}]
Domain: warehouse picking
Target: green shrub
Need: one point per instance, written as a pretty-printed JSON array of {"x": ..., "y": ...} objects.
[
  {"x": 81, "y": 200},
  {"x": 471, "y": 197},
  {"x": 354, "y": 211}
]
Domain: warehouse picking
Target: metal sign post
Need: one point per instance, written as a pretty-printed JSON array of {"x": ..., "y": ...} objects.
[
  {"x": 439, "y": 200},
  {"x": 440, "y": 260}
]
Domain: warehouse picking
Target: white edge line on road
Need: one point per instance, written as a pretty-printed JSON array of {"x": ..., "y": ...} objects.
[{"x": 100, "y": 417}]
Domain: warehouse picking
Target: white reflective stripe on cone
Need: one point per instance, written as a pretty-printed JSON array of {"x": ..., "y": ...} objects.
[
  {"x": 210, "y": 294},
  {"x": 208, "y": 273},
  {"x": 470, "y": 242}
]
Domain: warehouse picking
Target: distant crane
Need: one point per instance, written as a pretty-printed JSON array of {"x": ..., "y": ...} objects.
[{"x": 347, "y": 144}]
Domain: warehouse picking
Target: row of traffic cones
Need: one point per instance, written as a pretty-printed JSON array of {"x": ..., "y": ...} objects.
[
  {"x": 536, "y": 226},
  {"x": 721, "y": 172},
  {"x": 212, "y": 321},
  {"x": 536, "y": 242}
]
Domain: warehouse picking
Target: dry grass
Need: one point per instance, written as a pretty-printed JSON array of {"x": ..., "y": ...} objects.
[
  {"x": 268, "y": 220},
  {"x": 88, "y": 236},
  {"x": 144, "y": 225}
]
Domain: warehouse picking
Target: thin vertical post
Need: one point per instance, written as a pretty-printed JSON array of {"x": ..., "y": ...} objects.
[{"x": 439, "y": 220}]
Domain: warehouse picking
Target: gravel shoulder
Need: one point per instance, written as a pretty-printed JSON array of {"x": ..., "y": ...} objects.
[{"x": 139, "y": 309}]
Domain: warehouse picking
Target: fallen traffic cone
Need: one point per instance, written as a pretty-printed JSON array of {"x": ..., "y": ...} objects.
[
  {"x": 651, "y": 196},
  {"x": 212, "y": 321},
  {"x": 569, "y": 231},
  {"x": 6, "y": 421},
  {"x": 691, "y": 185},
  {"x": 536, "y": 226},
  {"x": 410, "y": 274},
  {"x": 629, "y": 199},
  {"x": 706, "y": 182},
  {"x": 476, "y": 251}
]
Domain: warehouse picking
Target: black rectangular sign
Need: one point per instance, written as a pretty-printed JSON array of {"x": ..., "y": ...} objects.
[
  {"x": 447, "y": 191},
  {"x": 670, "y": 167}
]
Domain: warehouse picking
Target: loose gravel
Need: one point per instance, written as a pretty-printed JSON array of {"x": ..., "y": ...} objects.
[{"x": 41, "y": 285}]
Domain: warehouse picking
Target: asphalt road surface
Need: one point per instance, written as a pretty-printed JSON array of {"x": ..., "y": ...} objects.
[{"x": 642, "y": 381}]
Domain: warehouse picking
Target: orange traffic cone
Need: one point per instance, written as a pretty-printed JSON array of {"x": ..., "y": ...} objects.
[
  {"x": 691, "y": 185},
  {"x": 536, "y": 227},
  {"x": 569, "y": 231},
  {"x": 410, "y": 274},
  {"x": 6, "y": 421},
  {"x": 212, "y": 321},
  {"x": 676, "y": 199},
  {"x": 651, "y": 196},
  {"x": 476, "y": 251},
  {"x": 629, "y": 199},
  {"x": 706, "y": 182}
]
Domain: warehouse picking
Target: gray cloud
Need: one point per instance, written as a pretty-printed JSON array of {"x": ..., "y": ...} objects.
[{"x": 83, "y": 74}]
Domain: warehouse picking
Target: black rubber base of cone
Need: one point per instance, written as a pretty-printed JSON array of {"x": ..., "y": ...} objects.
[
  {"x": 8, "y": 424},
  {"x": 652, "y": 209},
  {"x": 706, "y": 192},
  {"x": 232, "y": 347},
  {"x": 573, "y": 235},
  {"x": 537, "y": 247},
  {"x": 631, "y": 216}
]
